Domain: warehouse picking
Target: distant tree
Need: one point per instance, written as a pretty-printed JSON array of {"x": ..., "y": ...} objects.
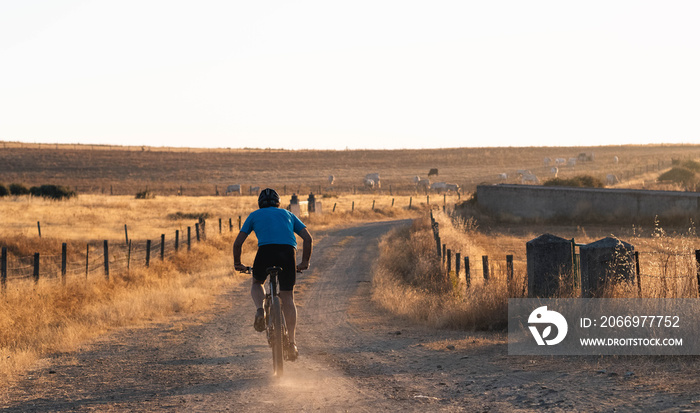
[{"x": 18, "y": 189}]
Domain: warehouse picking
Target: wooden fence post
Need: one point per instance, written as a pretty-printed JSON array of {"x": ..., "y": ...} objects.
[
  {"x": 148, "y": 253},
  {"x": 392, "y": 202},
  {"x": 444, "y": 247},
  {"x": 162, "y": 247},
  {"x": 427, "y": 199},
  {"x": 334, "y": 205},
  {"x": 64, "y": 261},
  {"x": 230, "y": 225},
  {"x": 373, "y": 201},
  {"x": 106, "y": 247},
  {"x": 38, "y": 226},
  {"x": 467, "y": 272},
  {"x": 458, "y": 262},
  {"x": 220, "y": 226},
  {"x": 3, "y": 268},
  {"x": 639, "y": 276},
  {"x": 485, "y": 263},
  {"x": 410, "y": 202},
  {"x": 177, "y": 240},
  {"x": 87, "y": 261},
  {"x": 189, "y": 238},
  {"x": 196, "y": 228},
  {"x": 36, "y": 267},
  {"x": 353, "y": 207},
  {"x": 509, "y": 267},
  {"x": 128, "y": 257},
  {"x": 239, "y": 222},
  {"x": 126, "y": 234},
  {"x": 449, "y": 261}
]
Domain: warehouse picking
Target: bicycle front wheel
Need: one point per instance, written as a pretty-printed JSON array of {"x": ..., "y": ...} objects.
[{"x": 277, "y": 336}]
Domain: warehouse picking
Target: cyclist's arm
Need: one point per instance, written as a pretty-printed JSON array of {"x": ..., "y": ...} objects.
[
  {"x": 237, "y": 248},
  {"x": 307, "y": 248}
]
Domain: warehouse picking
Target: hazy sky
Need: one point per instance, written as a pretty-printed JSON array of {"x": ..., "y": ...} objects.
[{"x": 357, "y": 74}]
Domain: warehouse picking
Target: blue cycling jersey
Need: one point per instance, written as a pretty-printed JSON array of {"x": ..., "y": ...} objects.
[{"x": 273, "y": 226}]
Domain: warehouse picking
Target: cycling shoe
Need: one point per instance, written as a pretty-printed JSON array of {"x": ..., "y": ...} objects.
[{"x": 259, "y": 323}]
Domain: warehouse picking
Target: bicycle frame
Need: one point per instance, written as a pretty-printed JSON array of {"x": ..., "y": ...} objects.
[{"x": 276, "y": 326}]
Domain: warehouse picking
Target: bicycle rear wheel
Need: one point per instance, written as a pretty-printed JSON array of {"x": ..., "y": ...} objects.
[{"x": 277, "y": 336}]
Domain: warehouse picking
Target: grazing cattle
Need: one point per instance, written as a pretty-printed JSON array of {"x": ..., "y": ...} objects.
[
  {"x": 374, "y": 177},
  {"x": 233, "y": 188},
  {"x": 369, "y": 183},
  {"x": 547, "y": 161},
  {"x": 432, "y": 172},
  {"x": 438, "y": 186},
  {"x": 616, "y": 159},
  {"x": 452, "y": 187},
  {"x": 571, "y": 162},
  {"x": 560, "y": 161},
  {"x": 554, "y": 171},
  {"x": 422, "y": 183},
  {"x": 612, "y": 179},
  {"x": 331, "y": 179},
  {"x": 530, "y": 179},
  {"x": 524, "y": 172},
  {"x": 254, "y": 190},
  {"x": 502, "y": 177}
]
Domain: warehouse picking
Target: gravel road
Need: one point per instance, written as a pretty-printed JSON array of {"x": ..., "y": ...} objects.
[{"x": 353, "y": 357}]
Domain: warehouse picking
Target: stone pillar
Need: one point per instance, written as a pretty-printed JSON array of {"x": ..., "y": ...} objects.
[
  {"x": 608, "y": 260},
  {"x": 312, "y": 203},
  {"x": 549, "y": 259}
]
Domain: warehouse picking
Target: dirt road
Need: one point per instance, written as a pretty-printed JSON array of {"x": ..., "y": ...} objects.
[{"x": 353, "y": 358}]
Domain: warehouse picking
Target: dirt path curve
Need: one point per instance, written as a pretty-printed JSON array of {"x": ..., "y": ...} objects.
[{"x": 353, "y": 358}]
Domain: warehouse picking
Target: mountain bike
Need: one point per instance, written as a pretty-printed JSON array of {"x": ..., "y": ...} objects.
[{"x": 276, "y": 327}]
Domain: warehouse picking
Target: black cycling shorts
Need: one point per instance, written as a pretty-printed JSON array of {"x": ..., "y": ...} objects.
[{"x": 280, "y": 255}]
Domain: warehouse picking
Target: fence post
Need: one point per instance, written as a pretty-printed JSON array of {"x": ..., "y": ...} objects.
[
  {"x": 126, "y": 234},
  {"x": 353, "y": 207},
  {"x": 427, "y": 199},
  {"x": 148, "y": 253},
  {"x": 458, "y": 262},
  {"x": 64, "y": 259},
  {"x": 36, "y": 267},
  {"x": 449, "y": 261},
  {"x": 162, "y": 247},
  {"x": 467, "y": 272},
  {"x": 509, "y": 267},
  {"x": 230, "y": 225},
  {"x": 392, "y": 202},
  {"x": 334, "y": 205},
  {"x": 220, "y": 226},
  {"x": 189, "y": 238},
  {"x": 373, "y": 201},
  {"x": 38, "y": 226},
  {"x": 106, "y": 244},
  {"x": 128, "y": 257},
  {"x": 87, "y": 261},
  {"x": 196, "y": 228},
  {"x": 410, "y": 202},
  {"x": 697, "y": 259},
  {"x": 639, "y": 276},
  {"x": 3, "y": 268},
  {"x": 239, "y": 222},
  {"x": 177, "y": 240},
  {"x": 444, "y": 247},
  {"x": 485, "y": 263}
]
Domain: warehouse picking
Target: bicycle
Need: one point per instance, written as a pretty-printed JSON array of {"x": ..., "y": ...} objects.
[{"x": 276, "y": 327}]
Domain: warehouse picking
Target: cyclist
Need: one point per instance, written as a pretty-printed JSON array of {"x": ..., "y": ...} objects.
[{"x": 275, "y": 228}]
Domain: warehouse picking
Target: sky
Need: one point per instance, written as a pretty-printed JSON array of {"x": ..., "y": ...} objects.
[{"x": 350, "y": 74}]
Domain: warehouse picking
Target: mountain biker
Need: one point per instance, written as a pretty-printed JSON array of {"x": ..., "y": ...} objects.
[{"x": 275, "y": 228}]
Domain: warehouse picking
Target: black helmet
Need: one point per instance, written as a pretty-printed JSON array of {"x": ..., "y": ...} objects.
[{"x": 268, "y": 198}]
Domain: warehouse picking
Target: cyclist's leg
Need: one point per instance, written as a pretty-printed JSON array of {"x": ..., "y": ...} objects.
[
  {"x": 290, "y": 313},
  {"x": 257, "y": 293}
]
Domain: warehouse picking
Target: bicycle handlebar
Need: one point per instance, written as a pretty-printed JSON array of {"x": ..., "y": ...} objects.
[{"x": 249, "y": 270}]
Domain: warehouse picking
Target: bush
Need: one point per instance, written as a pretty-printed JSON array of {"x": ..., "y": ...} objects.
[
  {"x": 145, "y": 195},
  {"x": 679, "y": 175},
  {"x": 581, "y": 181},
  {"x": 18, "y": 189},
  {"x": 692, "y": 165},
  {"x": 4, "y": 191},
  {"x": 189, "y": 215},
  {"x": 52, "y": 192}
]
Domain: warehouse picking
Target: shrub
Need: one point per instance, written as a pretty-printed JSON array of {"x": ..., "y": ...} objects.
[
  {"x": 18, "y": 189},
  {"x": 189, "y": 215},
  {"x": 145, "y": 195},
  {"x": 679, "y": 175},
  {"x": 4, "y": 191},
  {"x": 581, "y": 181},
  {"x": 692, "y": 165},
  {"x": 52, "y": 192}
]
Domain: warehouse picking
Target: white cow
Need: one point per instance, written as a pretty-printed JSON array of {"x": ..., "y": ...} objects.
[
  {"x": 523, "y": 172},
  {"x": 503, "y": 176},
  {"x": 452, "y": 187},
  {"x": 369, "y": 183},
  {"x": 554, "y": 171},
  {"x": 616, "y": 159},
  {"x": 571, "y": 162},
  {"x": 233, "y": 188},
  {"x": 547, "y": 161},
  {"x": 422, "y": 183},
  {"x": 612, "y": 179},
  {"x": 374, "y": 177},
  {"x": 560, "y": 161},
  {"x": 438, "y": 186},
  {"x": 331, "y": 179},
  {"x": 530, "y": 179},
  {"x": 254, "y": 190}
]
